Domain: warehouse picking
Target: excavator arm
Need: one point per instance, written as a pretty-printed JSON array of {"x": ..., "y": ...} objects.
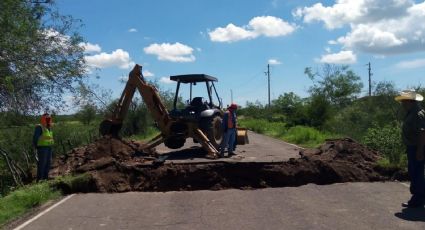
[{"x": 151, "y": 98}]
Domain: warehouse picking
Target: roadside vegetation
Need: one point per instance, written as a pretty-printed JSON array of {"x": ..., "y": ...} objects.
[
  {"x": 304, "y": 136},
  {"x": 29, "y": 196},
  {"x": 335, "y": 107}
]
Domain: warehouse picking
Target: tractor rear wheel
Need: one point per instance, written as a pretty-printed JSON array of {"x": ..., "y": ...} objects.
[{"x": 213, "y": 130}]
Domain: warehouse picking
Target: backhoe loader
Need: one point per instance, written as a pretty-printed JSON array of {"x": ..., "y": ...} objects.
[{"x": 200, "y": 120}]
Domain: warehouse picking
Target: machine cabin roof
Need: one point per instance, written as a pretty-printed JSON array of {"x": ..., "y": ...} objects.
[{"x": 190, "y": 78}]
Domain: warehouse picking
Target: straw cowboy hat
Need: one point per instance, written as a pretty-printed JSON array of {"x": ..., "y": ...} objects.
[{"x": 409, "y": 95}]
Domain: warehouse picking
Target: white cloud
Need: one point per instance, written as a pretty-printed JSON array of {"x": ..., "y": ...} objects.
[
  {"x": 147, "y": 73},
  {"x": 381, "y": 27},
  {"x": 268, "y": 26},
  {"x": 89, "y": 48},
  {"x": 343, "y": 57},
  {"x": 274, "y": 62},
  {"x": 344, "y": 12},
  {"x": 332, "y": 42},
  {"x": 328, "y": 49},
  {"x": 230, "y": 33},
  {"x": 119, "y": 58},
  {"x": 56, "y": 39},
  {"x": 165, "y": 80},
  {"x": 412, "y": 64},
  {"x": 132, "y": 30},
  {"x": 176, "y": 52},
  {"x": 123, "y": 79}
]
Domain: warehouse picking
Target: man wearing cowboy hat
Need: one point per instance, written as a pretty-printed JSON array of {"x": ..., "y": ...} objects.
[{"x": 413, "y": 134}]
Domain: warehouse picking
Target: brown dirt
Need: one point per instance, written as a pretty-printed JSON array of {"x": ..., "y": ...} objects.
[{"x": 120, "y": 166}]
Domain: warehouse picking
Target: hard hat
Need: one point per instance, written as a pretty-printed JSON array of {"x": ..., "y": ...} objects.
[
  {"x": 45, "y": 119},
  {"x": 409, "y": 95}
]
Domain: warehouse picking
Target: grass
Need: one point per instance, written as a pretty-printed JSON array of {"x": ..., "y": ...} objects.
[
  {"x": 151, "y": 133},
  {"x": 307, "y": 137},
  {"x": 263, "y": 126},
  {"x": 23, "y": 199}
]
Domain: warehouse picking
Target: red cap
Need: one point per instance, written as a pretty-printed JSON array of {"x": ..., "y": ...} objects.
[{"x": 233, "y": 106}]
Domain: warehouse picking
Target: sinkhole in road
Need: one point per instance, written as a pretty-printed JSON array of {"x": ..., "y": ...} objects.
[{"x": 113, "y": 169}]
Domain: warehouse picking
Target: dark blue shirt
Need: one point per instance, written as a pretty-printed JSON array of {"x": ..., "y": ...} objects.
[{"x": 37, "y": 133}]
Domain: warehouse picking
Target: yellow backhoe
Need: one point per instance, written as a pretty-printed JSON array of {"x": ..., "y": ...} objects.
[{"x": 200, "y": 120}]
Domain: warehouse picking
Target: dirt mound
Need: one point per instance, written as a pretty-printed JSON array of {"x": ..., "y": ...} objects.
[
  {"x": 120, "y": 166},
  {"x": 100, "y": 154}
]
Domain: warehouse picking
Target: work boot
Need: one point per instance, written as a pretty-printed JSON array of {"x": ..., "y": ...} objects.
[
  {"x": 414, "y": 202},
  {"x": 412, "y": 205}
]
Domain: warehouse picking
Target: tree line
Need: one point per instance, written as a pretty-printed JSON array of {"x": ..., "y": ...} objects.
[{"x": 335, "y": 105}]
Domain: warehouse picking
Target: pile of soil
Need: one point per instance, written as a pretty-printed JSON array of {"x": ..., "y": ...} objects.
[{"x": 120, "y": 166}]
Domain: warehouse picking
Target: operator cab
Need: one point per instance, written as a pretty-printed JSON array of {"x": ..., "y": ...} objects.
[{"x": 200, "y": 105}]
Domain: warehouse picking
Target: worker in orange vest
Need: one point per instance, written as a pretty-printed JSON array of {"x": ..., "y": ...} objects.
[
  {"x": 229, "y": 129},
  {"x": 43, "y": 142}
]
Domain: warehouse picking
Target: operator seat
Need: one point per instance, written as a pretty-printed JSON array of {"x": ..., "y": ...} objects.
[
  {"x": 197, "y": 102},
  {"x": 198, "y": 105}
]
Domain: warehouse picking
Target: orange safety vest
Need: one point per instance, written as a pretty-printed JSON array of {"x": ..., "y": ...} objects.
[{"x": 230, "y": 123}]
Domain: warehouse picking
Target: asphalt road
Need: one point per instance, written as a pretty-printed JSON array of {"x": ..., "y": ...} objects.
[
  {"x": 338, "y": 206},
  {"x": 260, "y": 149}
]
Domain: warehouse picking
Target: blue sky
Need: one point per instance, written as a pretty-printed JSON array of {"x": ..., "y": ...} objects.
[{"x": 234, "y": 40}]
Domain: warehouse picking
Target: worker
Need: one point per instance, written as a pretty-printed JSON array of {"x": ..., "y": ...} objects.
[
  {"x": 229, "y": 130},
  {"x": 43, "y": 142},
  {"x": 413, "y": 135}
]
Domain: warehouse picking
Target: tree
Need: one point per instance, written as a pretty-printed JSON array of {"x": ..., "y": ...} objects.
[
  {"x": 336, "y": 84},
  {"x": 40, "y": 55},
  {"x": 87, "y": 114},
  {"x": 318, "y": 110},
  {"x": 293, "y": 107},
  {"x": 287, "y": 103}
]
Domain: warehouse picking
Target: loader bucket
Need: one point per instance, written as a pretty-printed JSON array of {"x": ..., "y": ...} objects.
[{"x": 242, "y": 136}]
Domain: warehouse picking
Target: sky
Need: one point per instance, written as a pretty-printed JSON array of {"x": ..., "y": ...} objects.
[{"x": 235, "y": 40}]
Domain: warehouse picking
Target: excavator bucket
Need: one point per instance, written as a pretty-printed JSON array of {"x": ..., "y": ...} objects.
[
  {"x": 242, "y": 136},
  {"x": 109, "y": 127}
]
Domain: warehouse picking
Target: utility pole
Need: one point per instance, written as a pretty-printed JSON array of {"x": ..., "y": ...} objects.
[
  {"x": 231, "y": 96},
  {"x": 268, "y": 79},
  {"x": 370, "y": 80}
]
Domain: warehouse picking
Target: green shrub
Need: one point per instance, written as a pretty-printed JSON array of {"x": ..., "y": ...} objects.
[
  {"x": 387, "y": 140},
  {"x": 306, "y": 136},
  {"x": 263, "y": 126},
  {"x": 72, "y": 134}
]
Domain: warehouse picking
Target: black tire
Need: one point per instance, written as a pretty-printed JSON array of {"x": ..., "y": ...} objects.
[
  {"x": 174, "y": 142},
  {"x": 212, "y": 128}
]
